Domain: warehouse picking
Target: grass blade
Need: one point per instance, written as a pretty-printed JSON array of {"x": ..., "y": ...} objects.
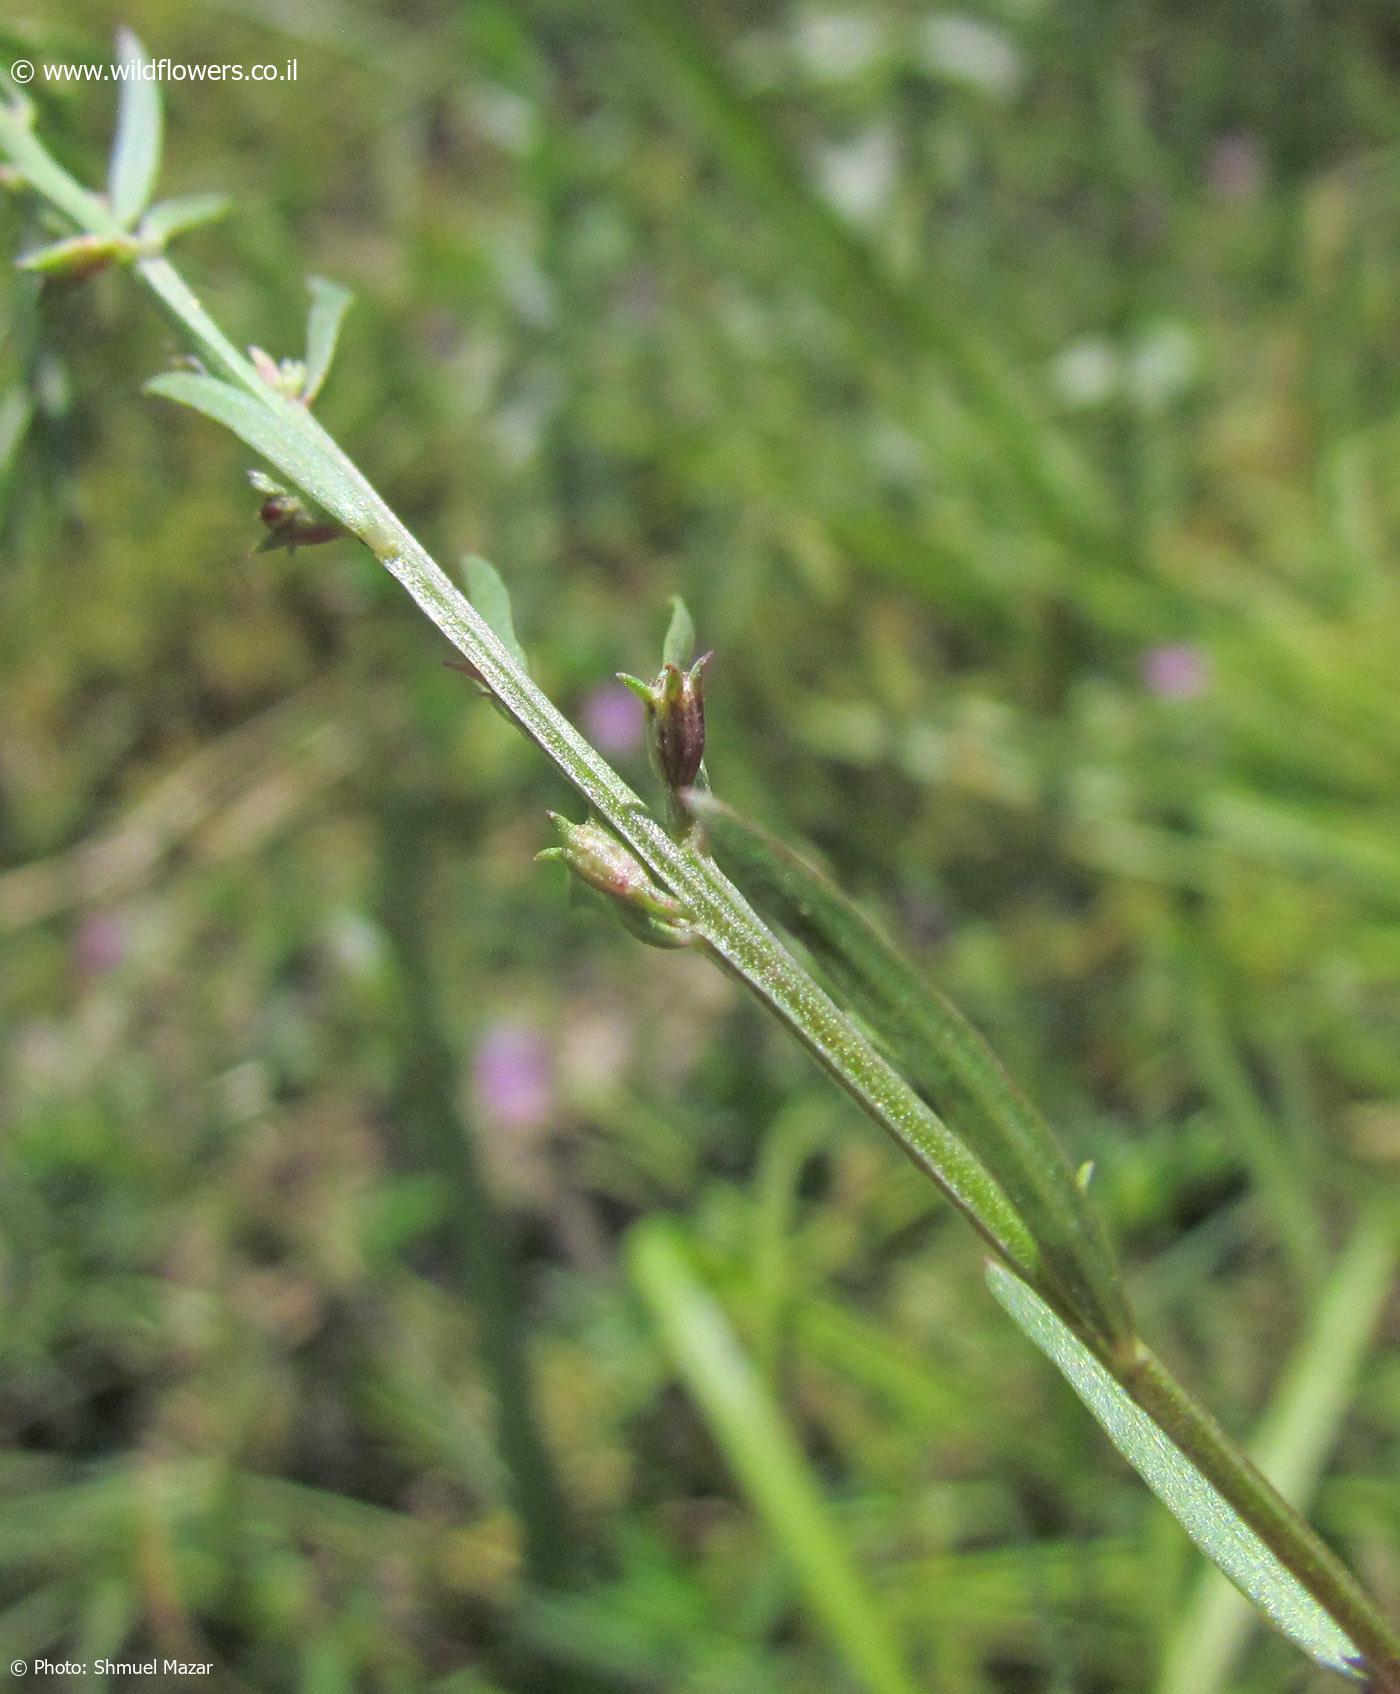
[
  {"x": 940, "y": 1052},
  {"x": 135, "y": 164},
  {"x": 856, "y": 282},
  {"x": 1278, "y": 1179},
  {"x": 764, "y": 1453},
  {"x": 1206, "y": 1516}
]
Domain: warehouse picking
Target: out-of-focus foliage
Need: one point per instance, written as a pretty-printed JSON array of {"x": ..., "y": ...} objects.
[{"x": 1013, "y": 391}]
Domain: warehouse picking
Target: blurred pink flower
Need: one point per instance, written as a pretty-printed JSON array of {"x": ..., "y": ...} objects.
[
  {"x": 100, "y": 944},
  {"x": 1177, "y": 670},
  {"x": 1235, "y": 170},
  {"x": 513, "y": 1076},
  {"x": 612, "y": 719}
]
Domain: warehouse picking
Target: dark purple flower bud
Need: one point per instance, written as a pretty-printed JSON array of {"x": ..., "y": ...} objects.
[
  {"x": 288, "y": 522},
  {"x": 675, "y": 713},
  {"x": 678, "y": 724}
]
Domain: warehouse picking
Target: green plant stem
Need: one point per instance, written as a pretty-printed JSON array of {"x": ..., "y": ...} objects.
[{"x": 729, "y": 930}]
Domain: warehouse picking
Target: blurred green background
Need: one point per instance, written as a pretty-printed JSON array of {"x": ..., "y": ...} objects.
[{"x": 1013, "y": 391}]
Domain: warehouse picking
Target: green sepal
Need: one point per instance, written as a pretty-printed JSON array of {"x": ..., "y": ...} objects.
[
  {"x": 597, "y": 857},
  {"x": 654, "y": 931},
  {"x": 601, "y": 864},
  {"x": 680, "y": 635}
]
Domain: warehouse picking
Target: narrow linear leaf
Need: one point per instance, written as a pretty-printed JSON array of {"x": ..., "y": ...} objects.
[
  {"x": 169, "y": 218},
  {"x": 940, "y": 1052},
  {"x": 679, "y": 645},
  {"x": 1294, "y": 1438},
  {"x": 1206, "y": 1516},
  {"x": 765, "y": 1455},
  {"x": 488, "y": 593},
  {"x": 276, "y": 429},
  {"x": 329, "y": 304},
  {"x": 88, "y": 212},
  {"x": 131, "y": 178}
]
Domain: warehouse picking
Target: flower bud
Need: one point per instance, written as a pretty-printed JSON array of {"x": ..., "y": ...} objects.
[
  {"x": 287, "y": 377},
  {"x": 289, "y": 523},
  {"x": 602, "y": 862},
  {"x": 675, "y": 708},
  {"x": 79, "y": 256}
]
